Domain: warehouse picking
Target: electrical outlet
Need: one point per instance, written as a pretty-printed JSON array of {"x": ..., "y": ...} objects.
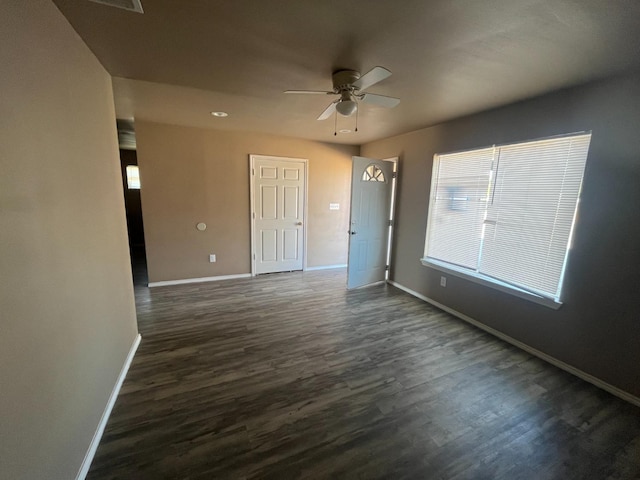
[
  {"x": 212, "y": 258},
  {"x": 443, "y": 281}
]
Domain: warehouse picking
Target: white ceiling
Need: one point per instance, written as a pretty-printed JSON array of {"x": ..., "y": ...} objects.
[{"x": 182, "y": 59}]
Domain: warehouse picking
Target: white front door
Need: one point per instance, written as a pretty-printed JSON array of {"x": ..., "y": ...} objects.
[
  {"x": 372, "y": 183},
  {"x": 278, "y": 198}
]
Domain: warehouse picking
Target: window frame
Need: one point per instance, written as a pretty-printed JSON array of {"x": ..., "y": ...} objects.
[
  {"x": 490, "y": 282},
  {"x": 477, "y": 277}
]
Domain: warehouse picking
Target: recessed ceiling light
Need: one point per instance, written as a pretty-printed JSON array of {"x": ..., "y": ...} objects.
[
  {"x": 345, "y": 130},
  {"x": 220, "y": 114}
]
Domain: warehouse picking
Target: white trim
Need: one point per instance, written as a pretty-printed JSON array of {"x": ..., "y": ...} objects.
[
  {"x": 252, "y": 158},
  {"x": 306, "y": 213},
  {"x": 165, "y": 283},
  {"x": 252, "y": 221},
  {"x": 324, "y": 267},
  {"x": 392, "y": 211},
  {"x": 523, "y": 346},
  {"x": 97, "y": 436}
]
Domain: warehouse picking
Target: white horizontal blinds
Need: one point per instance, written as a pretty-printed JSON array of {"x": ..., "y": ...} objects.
[
  {"x": 531, "y": 214},
  {"x": 458, "y": 206}
]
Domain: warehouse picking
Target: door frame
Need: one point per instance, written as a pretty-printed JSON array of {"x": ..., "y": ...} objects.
[
  {"x": 392, "y": 212},
  {"x": 391, "y": 217},
  {"x": 252, "y": 184}
]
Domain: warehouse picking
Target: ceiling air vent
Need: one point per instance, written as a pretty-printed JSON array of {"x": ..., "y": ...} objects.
[{"x": 131, "y": 5}]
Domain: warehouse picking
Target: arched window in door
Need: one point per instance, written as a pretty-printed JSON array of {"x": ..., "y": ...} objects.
[{"x": 373, "y": 174}]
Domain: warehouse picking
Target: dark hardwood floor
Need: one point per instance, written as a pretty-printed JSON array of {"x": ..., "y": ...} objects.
[{"x": 291, "y": 376}]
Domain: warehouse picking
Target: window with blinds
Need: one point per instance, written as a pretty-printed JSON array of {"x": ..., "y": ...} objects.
[{"x": 505, "y": 214}]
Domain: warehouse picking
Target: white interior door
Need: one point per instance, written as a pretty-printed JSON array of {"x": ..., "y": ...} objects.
[
  {"x": 372, "y": 184},
  {"x": 278, "y": 210}
]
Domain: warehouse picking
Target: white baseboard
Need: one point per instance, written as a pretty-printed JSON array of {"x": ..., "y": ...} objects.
[
  {"x": 199, "y": 280},
  {"x": 324, "y": 267},
  {"x": 93, "y": 446},
  {"x": 523, "y": 346}
]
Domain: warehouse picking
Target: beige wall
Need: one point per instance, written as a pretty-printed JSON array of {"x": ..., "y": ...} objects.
[
  {"x": 67, "y": 317},
  {"x": 192, "y": 175},
  {"x": 597, "y": 329}
]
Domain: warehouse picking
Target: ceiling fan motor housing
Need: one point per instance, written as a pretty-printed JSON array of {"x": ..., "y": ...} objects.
[
  {"x": 351, "y": 86},
  {"x": 343, "y": 80}
]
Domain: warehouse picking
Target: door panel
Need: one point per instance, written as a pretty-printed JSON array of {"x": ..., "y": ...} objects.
[
  {"x": 268, "y": 202},
  {"x": 269, "y": 245},
  {"x": 278, "y": 219},
  {"x": 268, "y": 172},
  {"x": 290, "y": 245},
  {"x": 361, "y": 252},
  {"x": 371, "y": 195},
  {"x": 291, "y": 174},
  {"x": 291, "y": 205}
]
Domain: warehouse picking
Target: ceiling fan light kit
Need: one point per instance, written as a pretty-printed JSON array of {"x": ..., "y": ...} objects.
[
  {"x": 351, "y": 86},
  {"x": 346, "y": 107}
]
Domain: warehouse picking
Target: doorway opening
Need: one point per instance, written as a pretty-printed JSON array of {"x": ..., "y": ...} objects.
[{"x": 133, "y": 208}]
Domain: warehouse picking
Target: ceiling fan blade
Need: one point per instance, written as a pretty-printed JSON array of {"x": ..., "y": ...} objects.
[
  {"x": 373, "y": 76},
  {"x": 312, "y": 92},
  {"x": 380, "y": 100},
  {"x": 330, "y": 110}
]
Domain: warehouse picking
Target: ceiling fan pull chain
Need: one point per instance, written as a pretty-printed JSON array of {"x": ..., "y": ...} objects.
[
  {"x": 357, "y": 110},
  {"x": 335, "y": 125}
]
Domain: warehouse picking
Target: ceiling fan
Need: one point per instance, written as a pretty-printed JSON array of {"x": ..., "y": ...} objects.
[{"x": 351, "y": 86}]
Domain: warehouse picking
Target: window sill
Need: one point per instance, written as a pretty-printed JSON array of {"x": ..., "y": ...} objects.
[{"x": 490, "y": 282}]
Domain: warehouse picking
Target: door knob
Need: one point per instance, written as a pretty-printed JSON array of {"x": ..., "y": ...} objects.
[
  {"x": 298, "y": 223},
  {"x": 352, "y": 232}
]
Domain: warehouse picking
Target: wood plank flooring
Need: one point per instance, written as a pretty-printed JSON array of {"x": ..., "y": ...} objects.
[{"x": 291, "y": 376}]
